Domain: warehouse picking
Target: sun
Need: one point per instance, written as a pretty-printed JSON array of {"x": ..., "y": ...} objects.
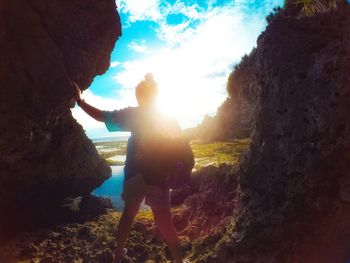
[
  {"x": 186, "y": 91},
  {"x": 181, "y": 96}
]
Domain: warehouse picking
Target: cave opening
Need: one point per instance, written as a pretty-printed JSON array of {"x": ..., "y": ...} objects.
[{"x": 285, "y": 201}]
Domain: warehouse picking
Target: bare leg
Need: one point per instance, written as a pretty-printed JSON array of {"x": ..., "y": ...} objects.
[
  {"x": 164, "y": 221},
  {"x": 130, "y": 210}
]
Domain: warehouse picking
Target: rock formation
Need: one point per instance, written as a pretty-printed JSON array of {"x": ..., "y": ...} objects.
[
  {"x": 287, "y": 202},
  {"x": 294, "y": 184},
  {"x": 44, "y": 153},
  {"x": 210, "y": 200},
  {"x": 235, "y": 116},
  {"x": 243, "y": 89}
]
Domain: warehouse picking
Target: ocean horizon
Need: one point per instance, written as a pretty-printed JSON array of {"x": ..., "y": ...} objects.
[{"x": 110, "y": 139}]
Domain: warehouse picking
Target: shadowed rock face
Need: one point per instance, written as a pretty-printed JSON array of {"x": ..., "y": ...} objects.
[
  {"x": 294, "y": 184},
  {"x": 45, "y": 154},
  {"x": 295, "y": 181}
]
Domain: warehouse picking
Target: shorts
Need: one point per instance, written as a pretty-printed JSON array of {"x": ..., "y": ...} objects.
[{"x": 136, "y": 189}]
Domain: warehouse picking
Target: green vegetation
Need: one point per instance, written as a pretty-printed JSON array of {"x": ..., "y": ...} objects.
[
  {"x": 311, "y": 7},
  {"x": 144, "y": 215},
  {"x": 113, "y": 162},
  {"x": 109, "y": 150},
  {"x": 216, "y": 153}
]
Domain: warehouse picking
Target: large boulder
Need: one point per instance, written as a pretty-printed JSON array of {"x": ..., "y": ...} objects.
[
  {"x": 295, "y": 182},
  {"x": 294, "y": 185},
  {"x": 44, "y": 153}
]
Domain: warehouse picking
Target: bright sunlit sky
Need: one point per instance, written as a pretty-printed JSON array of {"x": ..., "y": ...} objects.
[{"x": 189, "y": 46}]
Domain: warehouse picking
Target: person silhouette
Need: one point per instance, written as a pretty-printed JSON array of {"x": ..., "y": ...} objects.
[{"x": 141, "y": 121}]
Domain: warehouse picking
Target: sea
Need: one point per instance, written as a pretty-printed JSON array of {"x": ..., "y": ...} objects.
[
  {"x": 113, "y": 187},
  {"x": 110, "y": 139}
]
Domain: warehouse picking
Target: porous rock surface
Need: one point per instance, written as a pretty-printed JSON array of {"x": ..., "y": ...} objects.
[
  {"x": 44, "y": 153},
  {"x": 91, "y": 241},
  {"x": 294, "y": 184},
  {"x": 201, "y": 215}
]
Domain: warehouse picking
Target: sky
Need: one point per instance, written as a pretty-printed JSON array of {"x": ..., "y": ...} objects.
[{"x": 190, "y": 46}]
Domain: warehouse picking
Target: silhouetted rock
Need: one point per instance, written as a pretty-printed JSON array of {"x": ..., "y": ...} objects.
[
  {"x": 287, "y": 202},
  {"x": 244, "y": 90},
  {"x": 210, "y": 205},
  {"x": 45, "y": 155},
  {"x": 294, "y": 183},
  {"x": 235, "y": 117}
]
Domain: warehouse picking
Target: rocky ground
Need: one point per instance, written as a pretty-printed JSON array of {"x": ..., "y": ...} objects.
[
  {"x": 201, "y": 213},
  {"x": 91, "y": 241}
]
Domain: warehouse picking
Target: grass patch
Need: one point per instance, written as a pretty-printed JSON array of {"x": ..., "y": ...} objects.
[
  {"x": 216, "y": 153},
  {"x": 113, "y": 162},
  {"x": 144, "y": 215},
  {"x": 111, "y": 149}
]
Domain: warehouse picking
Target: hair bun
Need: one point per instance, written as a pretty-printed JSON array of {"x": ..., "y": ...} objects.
[{"x": 149, "y": 77}]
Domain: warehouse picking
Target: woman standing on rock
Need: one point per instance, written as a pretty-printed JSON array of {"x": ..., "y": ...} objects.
[{"x": 141, "y": 121}]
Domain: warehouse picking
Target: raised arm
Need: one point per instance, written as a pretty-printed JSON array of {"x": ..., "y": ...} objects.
[{"x": 90, "y": 110}]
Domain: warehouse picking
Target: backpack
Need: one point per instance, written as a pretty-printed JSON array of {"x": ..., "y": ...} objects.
[
  {"x": 166, "y": 161},
  {"x": 182, "y": 164}
]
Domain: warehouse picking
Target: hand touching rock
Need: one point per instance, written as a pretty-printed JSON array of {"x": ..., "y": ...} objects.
[{"x": 77, "y": 91}]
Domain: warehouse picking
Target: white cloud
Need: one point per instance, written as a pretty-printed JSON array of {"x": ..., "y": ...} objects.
[
  {"x": 192, "y": 75},
  {"x": 140, "y": 9},
  {"x": 138, "y": 46},
  {"x": 131, "y": 74},
  {"x": 193, "y": 66},
  {"x": 115, "y": 64},
  {"x": 175, "y": 34},
  {"x": 192, "y": 12}
]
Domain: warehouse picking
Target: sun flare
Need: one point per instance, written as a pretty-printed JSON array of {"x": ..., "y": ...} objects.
[{"x": 185, "y": 94}]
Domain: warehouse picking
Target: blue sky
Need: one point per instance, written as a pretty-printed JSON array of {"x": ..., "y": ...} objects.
[{"x": 190, "y": 46}]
